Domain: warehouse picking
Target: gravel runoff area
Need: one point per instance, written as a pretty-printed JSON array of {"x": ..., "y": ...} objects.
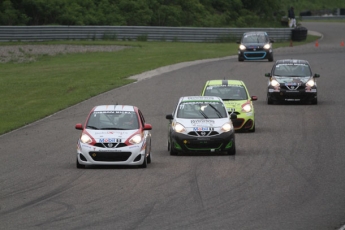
[{"x": 30, "y": 53}]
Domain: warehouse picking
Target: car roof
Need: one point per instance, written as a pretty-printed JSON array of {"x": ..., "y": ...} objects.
[
  {"x": 200, "y": 98},
  {"x": 255, "y": 32},
  {"x": 224, "y": 82},
  {"x": 292, "y": 61},
  {"x": 130, "y": 108}
]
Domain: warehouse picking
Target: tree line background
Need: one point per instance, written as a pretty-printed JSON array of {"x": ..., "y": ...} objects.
[{"x": 196, "y": 13}]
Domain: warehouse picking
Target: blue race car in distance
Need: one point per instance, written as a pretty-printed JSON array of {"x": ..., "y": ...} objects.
[{"x": 255, "y": 45}]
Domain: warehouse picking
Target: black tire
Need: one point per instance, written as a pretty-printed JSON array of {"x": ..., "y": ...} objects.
[
  {"x": 79, "y": 166},
  {"x": 171, "y": 149},
  {"x": 314, "y": 101},
  {"x": 269, "y": 100},
  {"x": 144, "y": 164},
  {"x": 232, "y": 151},
  {"x": 253, "y": 129},
  {"x": 149, "y": 156},
  {"x": 240, "y": 59},
  {"x": 270, "y": 59}
]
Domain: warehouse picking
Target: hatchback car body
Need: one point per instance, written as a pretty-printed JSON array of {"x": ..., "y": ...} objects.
[
  {"x": 236, "y": 98},
  {"x": 114, "y": 135},
  {"x": 200, "y": 124},
  {"x": 291, "y": 80},
  {"x": 255, "y": 45}
]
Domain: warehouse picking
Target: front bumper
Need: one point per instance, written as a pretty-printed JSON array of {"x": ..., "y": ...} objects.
[
  {"x": 255, "y": 55},
  {"x": 129, "y": 155},
  {"x": 217, "y": 143},
  {"x": 288, "y": 95}
]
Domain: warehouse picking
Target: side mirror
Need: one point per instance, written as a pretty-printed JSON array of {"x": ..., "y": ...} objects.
[
  {"x": 238, "y": 42},
  {"x": 267, "y": 74},
  {"x": 272, "y": 41},
  {"x": 316, "y": 75},
  {"x": 147, "y": 127},
  {"x": 233, "y": 116},
  {"x": 169, "y": 117},
  {"x": 79, "y": 126},
  {"x": 254, "y": 98}
]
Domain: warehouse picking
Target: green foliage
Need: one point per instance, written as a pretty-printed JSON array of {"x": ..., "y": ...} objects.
[{"x": 198, "y": 13}]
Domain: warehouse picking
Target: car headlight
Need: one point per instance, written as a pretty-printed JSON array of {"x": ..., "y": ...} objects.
[
  {"x": 136, "y": 139},
  {"x": 179, "y": 128},
  {"x": 242, "y": 47},
  {"x": 247, "y": 108},
  {"x": 85, "y": 139},
  {"x": 310, "y": 83},
  {"x": 274, "y": 83},
  {"x": 267, "y": 46},
  {"x": 226, "y": 127}
]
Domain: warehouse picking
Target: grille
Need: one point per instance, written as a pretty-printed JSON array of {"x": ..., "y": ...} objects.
[
  {"x": 110, "y": 156},
  {"x": 204, "y": 145},
  {"x": 297, "y": 87},
  {"x": 237, "y": 122},
  {"x": 255, "y": 54},
  {"x": 110, "y": 145},
  {"x": 203, "y": 133}
]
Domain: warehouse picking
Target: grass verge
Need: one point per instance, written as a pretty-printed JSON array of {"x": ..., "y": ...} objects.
[{"x": 34, "y": 90}]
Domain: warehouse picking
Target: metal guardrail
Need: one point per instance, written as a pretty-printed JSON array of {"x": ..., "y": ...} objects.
[
  {"x": 322, "y": 18},
  {"x": 142, "y": 33}
]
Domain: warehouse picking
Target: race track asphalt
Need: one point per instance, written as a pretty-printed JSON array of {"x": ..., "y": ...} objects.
[{"x": 289, "y": 174}]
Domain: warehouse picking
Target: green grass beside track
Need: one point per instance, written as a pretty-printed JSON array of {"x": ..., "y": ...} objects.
[{"x": 33, "y": 90}]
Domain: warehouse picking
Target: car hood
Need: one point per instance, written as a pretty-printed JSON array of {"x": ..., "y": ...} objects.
[
  {"x": 253, "y": 45},
  {"x": 190, "y": 123},
  {"x": 110, "y": 135},
  {"x": 300, "y": 80}
]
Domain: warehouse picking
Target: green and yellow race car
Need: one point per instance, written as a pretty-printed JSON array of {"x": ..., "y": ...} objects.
[{"x": 237, "y": 100}]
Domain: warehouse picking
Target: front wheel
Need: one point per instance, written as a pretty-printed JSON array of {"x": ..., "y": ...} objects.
[
  {"x": 149, "y": 156},
  {"x": 253, "y": 129},
  {"x": 269, "y": 100},
  {"x": 314, "y": 101},
  {"x": 79, "y": 166},
  {"x": 232, "y": 151},
  {"x": 144, "y": 164},
  {"x": 171, "y": 149}
]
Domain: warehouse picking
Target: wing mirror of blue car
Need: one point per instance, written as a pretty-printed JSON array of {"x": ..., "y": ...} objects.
[
  {"x": 79, "y": 126},
  {"x": 238, "y": 42},
  {"x": 169, "y": 117},
  {"x": 147, "y": 127},
  {"x": 267, "y": 74},
  {"x": 254, "y": 98},
  {"x": 316, "y": 75}
]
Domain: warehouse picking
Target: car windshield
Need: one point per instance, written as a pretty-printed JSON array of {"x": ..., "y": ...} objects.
[
  {"x": 254, "y": 38},
  {"x": 292, "y": 70},
  {"x": 113, "y": 120},
  {"x": 201, "y": 109},
  {"x": 227, "y": 92}
]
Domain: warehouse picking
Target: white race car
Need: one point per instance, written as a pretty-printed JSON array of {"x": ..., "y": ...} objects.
[
  {"x": 114, "y": 135},
  {"x": 201, "y": 124}
]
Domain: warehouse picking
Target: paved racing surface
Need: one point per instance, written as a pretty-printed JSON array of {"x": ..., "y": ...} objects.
[{"x": 289, "y": 174}]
